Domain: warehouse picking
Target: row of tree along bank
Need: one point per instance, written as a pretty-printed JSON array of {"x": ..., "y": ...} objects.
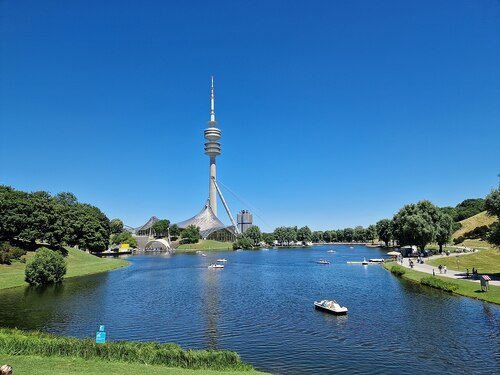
[{"x": 416, "y": 224}]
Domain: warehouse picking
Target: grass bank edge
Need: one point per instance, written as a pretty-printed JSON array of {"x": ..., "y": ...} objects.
[
  {"x": 465, "y": 288},
  {"x": 79, "y": 263},
  {"x": 28, "y": 365},
  {"x": 33, "y": 343}
]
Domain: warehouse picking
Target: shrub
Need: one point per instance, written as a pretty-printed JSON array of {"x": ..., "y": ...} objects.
[
  {"x": 434, "y": 282},
  {"x": 398, "y": 270},
  {"x": 459, "y": 240},
  {"x": 8, "y": 253},
  {"x": 46, "y": 267}
]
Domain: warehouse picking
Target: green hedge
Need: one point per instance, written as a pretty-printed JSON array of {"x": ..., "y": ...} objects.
[
  {"x": 434, "y": 282},
  {"x": 398, "y": 270},
  {"x": 16, "y": 342}
]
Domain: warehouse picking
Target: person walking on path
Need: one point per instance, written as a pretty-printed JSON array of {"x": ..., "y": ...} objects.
[
  {"x": 440, "y": 267},
  {"x": 433, "y": 273},
  {"x": 445, "y": 269}
]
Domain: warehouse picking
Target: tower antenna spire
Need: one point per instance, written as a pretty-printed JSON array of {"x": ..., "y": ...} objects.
[
  {"x": 212, "y": 149},
  {"x": 212, "y": 102}
]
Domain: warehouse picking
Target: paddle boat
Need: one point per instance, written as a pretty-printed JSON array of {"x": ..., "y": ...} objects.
[
  {"x": 364, "y": 262},
  {"x": 323, "y": 261},
  {"x": 222, "y": 260},
  {"x": 331, "y": 251},
  {"x": 215, "y": 265},
  {"x": 331, "y": 307}
]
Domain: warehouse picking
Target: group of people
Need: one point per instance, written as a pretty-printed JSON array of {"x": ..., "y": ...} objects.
[{"x": 6, "y": 370}]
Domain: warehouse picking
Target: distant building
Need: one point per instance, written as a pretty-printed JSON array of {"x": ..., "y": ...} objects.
[{"x": 245, "y": 220}]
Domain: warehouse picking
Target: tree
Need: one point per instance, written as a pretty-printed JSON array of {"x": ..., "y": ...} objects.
[
  {"x": 348, "y": 234},
  {"x": 254, "y": 234},
  {"x": 191, "y": 234},
  {"x": 444, "y": 230},
  {"x": 304, "y": 234},
  {"x": 88, "y": 228},
  {"x": 124, "y": 237},
  {"x": 327, "y": 236},
  {"x": 161, "y": 227},
  {"x": 280, "y": 235},
  {"x": 493, "y": 209},
  {"x": 384, "y": 230},
  {"x": 46, "y": 267},
  {"x": 175, "y": 231},
  {"x": 371, "y": 233},
  {"x": 416, "y": 224},
  {"x": 269, "y": 239},
  {"x": 116, "y": 226},
  {"x": 243, "y": 242},
  {"x": 317, "y": 236},
  {"x": 359, "y": 234}
]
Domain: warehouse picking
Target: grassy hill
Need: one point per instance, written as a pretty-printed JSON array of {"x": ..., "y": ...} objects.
[
  {"x": 472, "y": 222},
  {"x": 79, "y": 263}
]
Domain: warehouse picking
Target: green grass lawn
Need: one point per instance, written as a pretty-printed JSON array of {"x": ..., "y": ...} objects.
[
  {"x": 79, "y": 263},
  {"x": 486, "y": 261},
  {"x": 205, "y": 245},
  {"x": 465, "y": 288},
  {"x": 34, "y": 365}
]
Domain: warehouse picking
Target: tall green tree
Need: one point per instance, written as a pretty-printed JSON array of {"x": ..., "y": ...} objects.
[
  {"x": 161, "y": 227},
  {"x": 444, "y": 230},
  {"x": 384, "y": 230},
  {"x": 46, "y": 267},
  {"x": 268, "y": 238},
  {"x": 416, "y": 224},
  {"x": 116, "y": 226},
  {"x": 317, "y": 236},
  {"x": 191, "y": 234},
  {"x": 304, "y": 234},
  {"x": 348, "y": 234},
  {"x": 254, "y": 234},
  {"x": 371, "y": 233}
]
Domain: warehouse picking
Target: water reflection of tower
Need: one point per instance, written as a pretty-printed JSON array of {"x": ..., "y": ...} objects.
[
  {"x": 212, "y": 149},
  {"x": 211, "y": 306}
]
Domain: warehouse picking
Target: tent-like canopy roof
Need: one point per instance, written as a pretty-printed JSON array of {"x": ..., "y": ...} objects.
[{"x": 205, "y": 220}]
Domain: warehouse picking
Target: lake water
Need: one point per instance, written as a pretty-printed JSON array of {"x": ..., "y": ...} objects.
[{"x": 261, "y": 306}]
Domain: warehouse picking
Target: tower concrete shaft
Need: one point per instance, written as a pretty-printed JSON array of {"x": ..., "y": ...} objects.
[{"x": 212, "y": 149}]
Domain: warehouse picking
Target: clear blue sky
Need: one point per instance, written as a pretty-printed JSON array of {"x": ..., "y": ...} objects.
[{"x": 333, "y": 113}]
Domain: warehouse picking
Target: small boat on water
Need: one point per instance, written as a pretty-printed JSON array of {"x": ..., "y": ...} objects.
[
  {"x": 330, "y": 306},
  {"x": 222, "y": 260},
  {"x": 331, "y": 251},
  {"x": 364, "y": 262},
  {"x": 376, "y": 260},
  {"x": 203, "y": 254},
  {"x": 323, "y": 261},
  {"x": 351, "y": 247},
  {"x": 215, "y": 265}
]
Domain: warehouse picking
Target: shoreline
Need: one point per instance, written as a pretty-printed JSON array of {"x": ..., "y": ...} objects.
[
  {"x": 465, "y": 288},
  {"x": 79, "y": 263}
]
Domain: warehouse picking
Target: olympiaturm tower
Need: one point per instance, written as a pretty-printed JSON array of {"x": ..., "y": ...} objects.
[{"x": 212, "y": 149}]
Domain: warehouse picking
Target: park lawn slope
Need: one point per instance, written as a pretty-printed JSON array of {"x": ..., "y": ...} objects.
[
  {"x": 465, "y": 288},
  {"x": 473, "y": 222},
  {"x": 485, "y": 261},
  {"x": 206, "y": 245},
  {"x": 79, "y": 263},
  {"x": 29, "y": 365}
]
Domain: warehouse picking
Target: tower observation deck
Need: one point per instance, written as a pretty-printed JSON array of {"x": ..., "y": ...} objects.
[{"x": 212, "y": 149}]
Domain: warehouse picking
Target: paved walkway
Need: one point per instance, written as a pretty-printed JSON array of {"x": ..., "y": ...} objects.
[{"x": 460, "y": 275}]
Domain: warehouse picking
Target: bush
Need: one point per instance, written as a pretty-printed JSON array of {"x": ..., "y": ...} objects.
[
  {"x": 458, "y": 240},
  {"x": 398, "y": 270},
  {"x": 46, "y": 267},
  {"x": 8, "y": 253},
  {"x": 434, "y": 282}
]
